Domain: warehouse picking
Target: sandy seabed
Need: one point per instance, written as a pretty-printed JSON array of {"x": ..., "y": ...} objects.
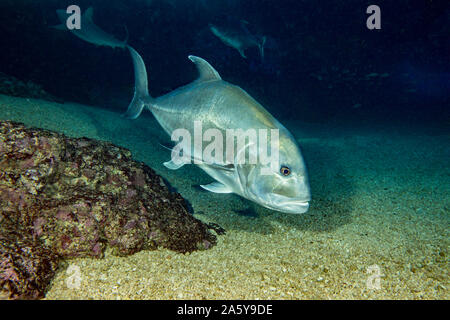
[{"x": 378, "y": 226}]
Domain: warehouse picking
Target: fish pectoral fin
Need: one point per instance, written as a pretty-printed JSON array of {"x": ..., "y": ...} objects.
[
  {"x": 172, "y": 165},
  {"x": 216, "y": 187}
]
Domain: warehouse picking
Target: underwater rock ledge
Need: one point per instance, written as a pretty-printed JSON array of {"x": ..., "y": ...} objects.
[{"x": 63, "y": 197}]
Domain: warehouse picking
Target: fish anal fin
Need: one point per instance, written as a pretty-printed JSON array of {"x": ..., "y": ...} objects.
[
  {"x": 217, "y": 187},
  {"x": 205, "y": 70}
]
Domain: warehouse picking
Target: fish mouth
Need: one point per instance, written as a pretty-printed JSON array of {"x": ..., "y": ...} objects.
[{"x": 294, "y": 207}]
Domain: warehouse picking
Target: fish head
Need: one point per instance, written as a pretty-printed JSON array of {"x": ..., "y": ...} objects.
[{"x": 280, "y": 185}]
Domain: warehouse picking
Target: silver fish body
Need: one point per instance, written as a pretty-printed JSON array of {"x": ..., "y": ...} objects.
[{"x": 220, "y": 105}]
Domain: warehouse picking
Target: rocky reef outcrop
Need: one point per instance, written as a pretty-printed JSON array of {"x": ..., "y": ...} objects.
[
  {"x": 12, "y": 86},
  {"x": 62, "y": 197}
]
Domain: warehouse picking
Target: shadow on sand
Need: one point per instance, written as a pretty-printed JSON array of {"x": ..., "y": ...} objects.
[{"x": 331, "y": 203}]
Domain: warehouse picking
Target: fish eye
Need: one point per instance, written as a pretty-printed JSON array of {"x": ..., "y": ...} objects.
[{"x": 285, "y": 171}]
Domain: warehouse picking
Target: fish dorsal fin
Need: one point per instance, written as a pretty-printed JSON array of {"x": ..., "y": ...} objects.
[
  {"x": 206, "y": 71},
  {"x": 88, "y": 14}
]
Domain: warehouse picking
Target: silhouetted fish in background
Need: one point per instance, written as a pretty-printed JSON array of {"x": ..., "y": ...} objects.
[
  {"x": 422, "y": 81},
  {"x": 239, "y": 38},
  {"x": 89, "y": 31}
]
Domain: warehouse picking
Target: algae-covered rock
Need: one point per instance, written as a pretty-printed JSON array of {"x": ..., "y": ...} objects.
[
  {"x": 26, "y": 266},
  {"x": 74, "y": 197}
]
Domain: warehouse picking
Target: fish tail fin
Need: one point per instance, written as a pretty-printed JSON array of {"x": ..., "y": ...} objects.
[
  {"x": 261, "y": 46},
  {"x": 141, "y": 97}
]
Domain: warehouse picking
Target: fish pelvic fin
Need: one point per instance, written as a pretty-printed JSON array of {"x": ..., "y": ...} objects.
[
  {"x": 172, "y": 165},
  {"x": 141, "y": 97}
]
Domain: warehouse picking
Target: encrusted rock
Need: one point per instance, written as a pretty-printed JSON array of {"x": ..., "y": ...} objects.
[
  {"x": 26, "y": 266},
  {"x": 63, "y": 197}
]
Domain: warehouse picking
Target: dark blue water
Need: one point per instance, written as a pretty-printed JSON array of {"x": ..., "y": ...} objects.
[{"x": 321, "y": 61}]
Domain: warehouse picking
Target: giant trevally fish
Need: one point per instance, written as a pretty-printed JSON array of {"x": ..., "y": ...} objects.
[
  {"x": 223, "y": 106},
  {"x": 89, "y": 31},
  {"x": 218, "y": 105},
  {"x": 239, "y": 38}
]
